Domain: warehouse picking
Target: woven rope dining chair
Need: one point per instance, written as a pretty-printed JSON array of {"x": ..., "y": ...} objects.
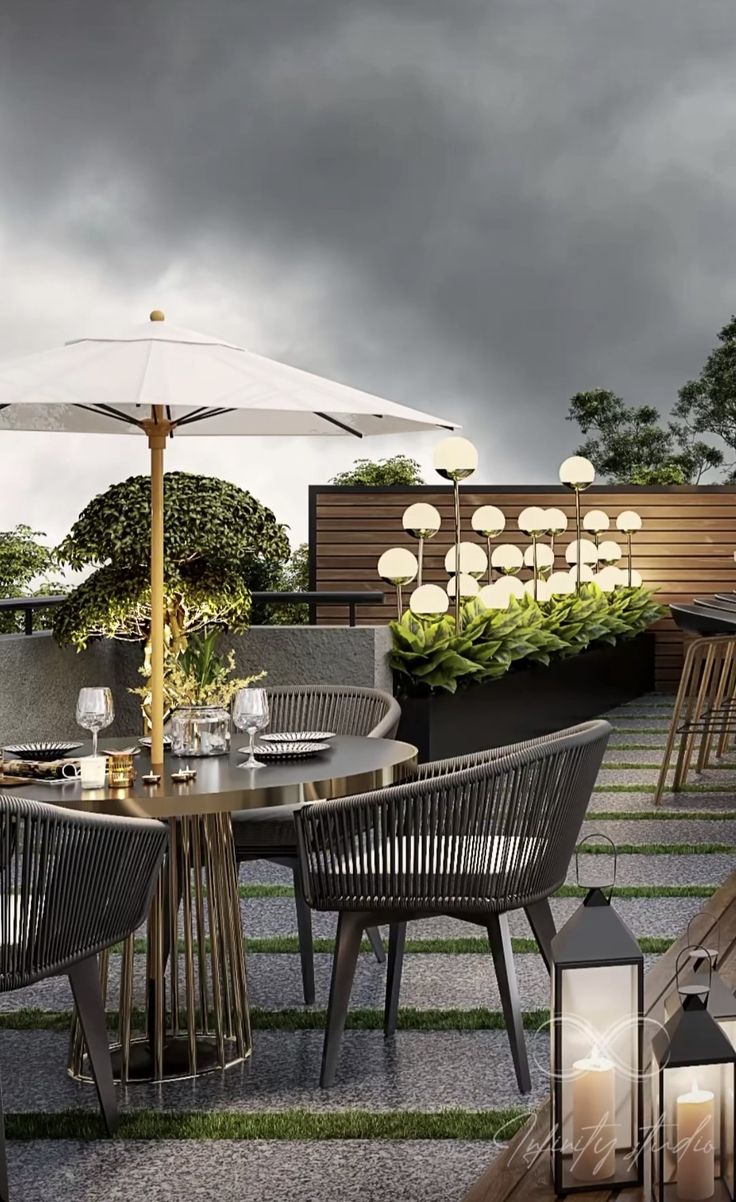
[
  {"x": 269, "y": 834},
  {"x": 475, "y": 845},
  {"x": 71, "y": 885}
]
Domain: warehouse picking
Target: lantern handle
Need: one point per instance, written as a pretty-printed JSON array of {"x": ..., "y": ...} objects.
[
  {"x": 694, "y": 941},
  {"x": 696, "y": 988},
  {"x": 601, "y": 839}
]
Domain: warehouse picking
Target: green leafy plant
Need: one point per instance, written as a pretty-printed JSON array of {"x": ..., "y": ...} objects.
[
  {"x": 430, "y": 656},
  {"x": 23, "y": 560},
  {"x": 199, "y": 674},
  {"x": 377, "y": 473}
]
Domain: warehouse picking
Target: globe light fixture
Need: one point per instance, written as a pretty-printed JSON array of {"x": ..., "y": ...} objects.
[
  {"x": 609, "y": 578},
  {"x": 455, "y": 459},
  {"x": 507, "y": 559},
  {"x": 398, "y": 566},
  {"x": 462, "y": 585},
  {"x": 421, "y": 521},
  {"x": 533, "y": 521},
  {"x": 538, "y": 589},
  {"x": 581, "y": 573},
  {"x": 560, "y": 583},
  {"x": 609, "y": 551},
  {"x": 595, "y": 521},
  {"x": 582, "y": 551},
  {"x": 490, "y": 522},
  {"x": 499, "y": 594},
  {"x": 540, "y": 558},
  {"x": 429, "y": 600},
  {"x": 629, "y": 523},
  {"x": 577, "y": 474},
  {"x": 466, "y": 557},
  {"x": 634, "y": 579},
  {"x": 556, "y": 524}
]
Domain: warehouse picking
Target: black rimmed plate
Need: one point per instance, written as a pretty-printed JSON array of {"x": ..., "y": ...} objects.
[
  {"x": 299, "y": 736},
  {"x": 41, "y": 751},
  {"x": 286, "y": 751},
  {"x": 146, "y": 741}
]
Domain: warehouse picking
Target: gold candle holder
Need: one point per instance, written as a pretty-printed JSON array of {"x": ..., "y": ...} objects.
[{"x": 120, "y": 769}]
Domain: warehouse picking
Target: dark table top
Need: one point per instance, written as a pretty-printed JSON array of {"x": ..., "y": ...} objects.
[
  {"x": 351, "y": 765},
  {"x": 709, "y": 618}
]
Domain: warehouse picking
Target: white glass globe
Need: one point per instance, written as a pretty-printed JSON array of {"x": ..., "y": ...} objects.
[
  {"x": 585, "y": 550},
  {"x": 488, "y": 521},
  {"x": 628, "y": 522},
  {"x": 608, "y": 578},
  {"x": 595, "y": 521},
  {"x": 542, "y": 554},
  {"x": 467, "y": 557},
  {"x": 498, "y": 594},
  {"x": 507, "y": 558},
  {"x": 560, "y": 583},
  {"x": 586, "y": 574},
  {"x": 398, "y": 565},
  {"x": 455, "y": 459},
  {"x": 533, "y": 520},
  {"x": 467, "y": 585},
  {"x": 556, "y": 521},
  {"x": 636, "y": 580},
  {"x": 421, "y": 520},
  {"x": 577, "y": 473},
  {"x": 609, "y": 551},
  {"x": 543, "y": 590},
  {"x": 429, "y": 599}
]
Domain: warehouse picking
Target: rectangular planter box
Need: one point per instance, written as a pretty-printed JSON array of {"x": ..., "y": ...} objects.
[{"x": 531, "y": 701}]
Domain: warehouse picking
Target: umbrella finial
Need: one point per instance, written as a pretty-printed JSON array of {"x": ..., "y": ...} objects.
[{"x": 157, "y": 315}]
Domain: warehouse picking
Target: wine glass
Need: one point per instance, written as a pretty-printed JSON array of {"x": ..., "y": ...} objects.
[
  {"x": 250, "y": 713},
  {"x": 95, "y": 711}
]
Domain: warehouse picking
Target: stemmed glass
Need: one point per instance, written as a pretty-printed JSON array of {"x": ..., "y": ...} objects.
[
  {"x": 95, "y": 711},
  {"x": 250, "y": 713}
]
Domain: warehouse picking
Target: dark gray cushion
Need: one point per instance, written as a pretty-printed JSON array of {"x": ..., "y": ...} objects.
[{"x": 256, "y": 831}]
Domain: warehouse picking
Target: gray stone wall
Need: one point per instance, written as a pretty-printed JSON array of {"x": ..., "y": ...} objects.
[{"x": 39, "y": 681}]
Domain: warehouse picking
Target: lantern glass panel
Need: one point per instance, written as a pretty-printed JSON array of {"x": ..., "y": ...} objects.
[
  {"x": 696, "y": 1105},
  {"x": 596, "y": 1075}
]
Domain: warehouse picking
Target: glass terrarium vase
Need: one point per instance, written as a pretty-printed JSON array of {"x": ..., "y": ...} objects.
[{"x": 200, "y": 730}]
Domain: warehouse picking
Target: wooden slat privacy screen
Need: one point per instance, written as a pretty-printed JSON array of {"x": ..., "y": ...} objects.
[{"x": 686, "y": 547}]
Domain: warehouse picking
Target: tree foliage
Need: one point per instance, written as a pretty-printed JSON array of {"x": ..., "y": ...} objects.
[
  {"x": 23, "y": 561},
  {"x": 217, "y": 537},
  {"x": 377, "y": 473},
  {"x": 708, "y": 404},
  {"x": 630, "y": 443}
]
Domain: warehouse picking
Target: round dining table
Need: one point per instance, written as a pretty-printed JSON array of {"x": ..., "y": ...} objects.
[{"x": 194, "y": 1015}]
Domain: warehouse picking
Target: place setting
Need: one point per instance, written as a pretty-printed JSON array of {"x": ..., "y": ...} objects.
[{"x": 251, "y": 715}]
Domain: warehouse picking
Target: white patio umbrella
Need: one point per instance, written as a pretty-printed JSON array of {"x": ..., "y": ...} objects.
[{"x": 157, "y": 380}]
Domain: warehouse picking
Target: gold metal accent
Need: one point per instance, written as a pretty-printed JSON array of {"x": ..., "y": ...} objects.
[
  {"x": 156, "y": 315},
  {"x": 120, "y": 769}
]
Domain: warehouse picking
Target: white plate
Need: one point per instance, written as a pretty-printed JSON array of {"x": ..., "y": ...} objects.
[
  {"x": 146, "y": 741},
  {"x": 286, "y": 751},
  {"x": 299, "y": 736}
]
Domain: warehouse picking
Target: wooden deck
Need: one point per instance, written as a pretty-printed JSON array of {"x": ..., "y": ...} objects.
[{"x": 519, "y": 1173}]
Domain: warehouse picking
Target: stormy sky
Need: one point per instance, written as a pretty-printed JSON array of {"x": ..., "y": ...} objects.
[{"x": 477, "y": 207}]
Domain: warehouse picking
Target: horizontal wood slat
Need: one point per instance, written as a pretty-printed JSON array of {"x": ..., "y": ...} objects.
[{"x": 685, "y": 549}]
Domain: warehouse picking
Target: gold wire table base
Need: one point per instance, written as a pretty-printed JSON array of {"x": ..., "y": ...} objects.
[
  {"x": 194, "y": 1018},
  {"x": 704, "y": 717}
]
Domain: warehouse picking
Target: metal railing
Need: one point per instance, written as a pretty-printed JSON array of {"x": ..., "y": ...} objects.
[{"x": 29, "y": 605}]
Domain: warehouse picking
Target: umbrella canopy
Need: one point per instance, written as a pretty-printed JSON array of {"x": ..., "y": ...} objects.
[{"x": 161, "y": 381}]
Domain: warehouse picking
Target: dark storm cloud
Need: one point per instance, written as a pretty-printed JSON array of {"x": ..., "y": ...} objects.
[{"x": 502, "y": 202}]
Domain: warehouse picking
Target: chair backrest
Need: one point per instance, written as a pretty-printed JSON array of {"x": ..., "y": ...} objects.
[
  {"x": 343, "y": 709},
  {"x": 71, "y": 884},
  {"x": 493, "y": 837}
]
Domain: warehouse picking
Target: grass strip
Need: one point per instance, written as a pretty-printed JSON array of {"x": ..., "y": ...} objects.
[
  {"x": 663, "y": 815},
  {"x": 303, "y": 1125},
  {"x": 635, "y": 891},
  {"x": 658, "y": 849},
  {"x": 410, "y": 1019},
  {"x": 460, "y": 946},
  {"x": 609, "y": 765},
  {"x": 266, "y": 890}
]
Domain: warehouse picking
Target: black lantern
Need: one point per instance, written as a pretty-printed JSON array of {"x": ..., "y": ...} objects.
[
  {"x": 597, "y": 1037},
  {"x": 704, "y": 959},
  {"x": 693, "y": 1088}
]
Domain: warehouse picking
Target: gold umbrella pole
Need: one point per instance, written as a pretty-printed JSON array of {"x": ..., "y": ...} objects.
[{"x": 157, "y": 431}]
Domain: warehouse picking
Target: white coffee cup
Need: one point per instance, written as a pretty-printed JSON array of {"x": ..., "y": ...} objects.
[{"x": 92, "y": 771}]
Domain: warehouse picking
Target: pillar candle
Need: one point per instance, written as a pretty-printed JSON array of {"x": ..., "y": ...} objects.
[
  {"x": 593, "y": 1114},
  {"x": 695, "y": 1145}
]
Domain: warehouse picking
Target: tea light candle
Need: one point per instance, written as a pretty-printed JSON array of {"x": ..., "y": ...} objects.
[
  {"x": 695, "y": 1145},
  {"x": 92, "y": 770},
  {"x": 593, "y": 1110}
]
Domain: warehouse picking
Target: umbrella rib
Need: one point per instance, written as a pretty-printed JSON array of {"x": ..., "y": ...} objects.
[
  {"x": 199, "y": 415},
  {"x": 342, "y": 426}
]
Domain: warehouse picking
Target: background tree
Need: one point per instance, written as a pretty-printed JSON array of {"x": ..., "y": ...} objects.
[
  {"x": 398, "y": 469},
  {"x": 217, "y": 537},
  {"x": 629, "y": 444},
  {"x": 708, "y": 405},
  {"x": 23, "y": 561}
]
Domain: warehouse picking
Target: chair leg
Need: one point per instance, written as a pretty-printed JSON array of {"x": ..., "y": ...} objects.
[
  {"x": 376, "y": 942},
  {"x": 396, "y": 944},
  {"x": 503, "y": 961},
  {"x": 306, "y": 943},
  {"x": 543, "y": 926},
  {"x": 4, "y": 1189},
  {"x": 349, "y": 935},
  {"x": 84, "y": 979}
]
